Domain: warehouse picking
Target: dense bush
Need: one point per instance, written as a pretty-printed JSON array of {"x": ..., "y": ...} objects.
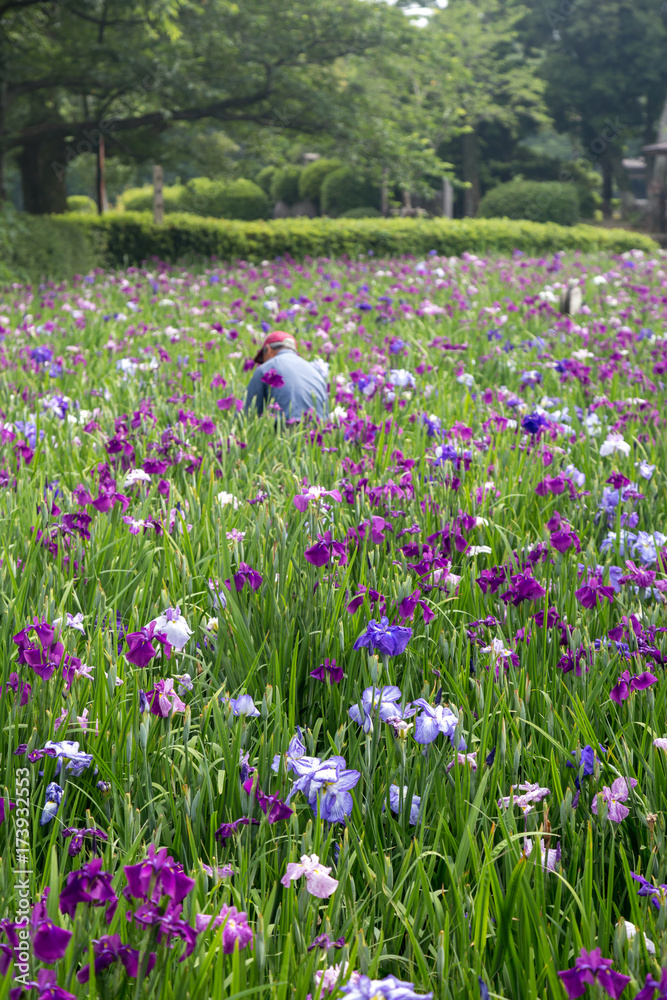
[
  {"x": 81, "y": 203},
  {"x": 134, "y": 237},
  {"x": 344, "y": 189},
  {"x": 285, "y": 185},
  {"x": 240, "y": 199},
  {"x": 264, "y": 178},
  {"x": 141, "y": 199},
  {"x": 34, "y": 247},
  {"x": 312, "y": 177},
  {"x": 364, "y": 212},
  {"x": 547, "y": 201}
]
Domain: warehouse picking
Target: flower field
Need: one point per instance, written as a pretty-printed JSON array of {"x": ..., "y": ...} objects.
[{"x": 372, "y": 707}]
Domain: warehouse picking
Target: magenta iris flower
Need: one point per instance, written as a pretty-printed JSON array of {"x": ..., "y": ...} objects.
[
  {"x": 325, "y": 550},
  {"x": 615, "y": 797},
  {"x": 49, "y": 942},
  {"x": 273, "y": 378},
  {"x": 273, "y": 807},
  {"x": 245, "y": 574},
  {"x": 389, "y": 640},
  {"x": 315, "y": 493},
  {"x": 627, "y": 684},
  {"x": 156, "y": 876},
  {"x": 88, "y": 884},
  {"x": 591, "y": 968},
  {"x": 235, "y": 927},
  {"x": 590, "y": 593},
  {"x": 141, "y": 648},
  {"x": 109, "y": 949}
]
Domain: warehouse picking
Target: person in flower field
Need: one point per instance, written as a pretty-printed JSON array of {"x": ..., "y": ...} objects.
[{"x": 293, "y": 384}]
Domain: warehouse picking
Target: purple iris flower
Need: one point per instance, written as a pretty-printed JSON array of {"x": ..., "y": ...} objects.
[
  {"x": 236, "y": 929},
  {"x": 245, "y": 574},
  {"x": 109, "y": 949},
  {"x": 316, "y": 493},
  {"x": 651, "y": 985},
  {"x": 68, "y": 750},
  {"x": 49, "y": 942},
  {"x": 88, "y": 884},
  {"x": 141, "y": 649},
  {"x": 627, "y": 684},
  {"x": 305, "y": 770},
  {"x": 389, "y": 988},
  {"x": 273, "y": 807},
  {"x": 77, "y": 835},
  {"x": 586, "y": 759},
  {"x": 325, "y": 550},
  {"x": 436, "y": 720},
  {"x": 156, "y": 876},
  {"x": 295, "y": 751},
  {"x": 389, "y": 640},
  {"x": 273, "y": 378},
  {"x": 324, "y": 942},
  {"x": 330, "y": 670},
  {"x": 244, "y": 705},
  {"x": 658, "y": 894},
  {"x": 395, "y": 802},
  {"x": 614, "y": 798},
  {"x": 53, "y": 798},
  {"x": 523, "y": 588},
  {"x": 589, "y": 593},
  {"x": 329, "y": 792},
  {"x": 532, "y": 423},
  {"x": 591, "y": 968}
]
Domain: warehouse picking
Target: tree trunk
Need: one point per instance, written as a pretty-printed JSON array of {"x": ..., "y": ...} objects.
[
  {"x": 385, "y": 193},
  {"x": 43, "y": 166},
  {"x": 607, "y": 164},
  {"x": 471, "y": 195}
]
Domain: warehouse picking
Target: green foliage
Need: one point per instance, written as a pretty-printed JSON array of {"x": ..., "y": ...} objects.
[
  {"x": 141, "y": 199},
  {"x": 313, "y": 175},
  {"x": 81, "y": 203},
  {"x": 285, "y": 184},
  {"x": 36, "y": 247},
  {"x": 264, "y": 178},
  {"x": 344, "y": 189},
  {"x": 363, "y": 212},
  {"x": 538, "y": 201},
  {"x": 133, "y": 237},
  {"x": 240, "y": 199}
]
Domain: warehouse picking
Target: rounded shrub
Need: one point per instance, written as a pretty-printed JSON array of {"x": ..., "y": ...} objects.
[
  {"x": 141, "y": 199},
  {"x": 312, "y": 177},
  {"x": 285, "y": 185},
  {"x": 240, "y": 199},
  {"x": 364, "y": 212},
  {"x": 343, "y": 190},
  {"x": 264, "y": 178},
  {"x": 537, "y": 201},
  {"x": 81, "y": 203}
]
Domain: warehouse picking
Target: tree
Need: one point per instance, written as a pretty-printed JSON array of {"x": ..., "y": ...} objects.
[
  {"x": 73, "y": 71},
  {"x": 607, "y": 77},
  {"x": 486, "y": 75}
]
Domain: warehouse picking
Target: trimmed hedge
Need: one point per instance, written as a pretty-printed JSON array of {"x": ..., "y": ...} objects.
[
  {"x": 285, "y": 185},
  {"x": 313, "y": 176},
  {"x": 133, "y": 238},
  {"x": 81, "y": 203},
  {"x": 239, "y": 199},
  {"x": 34, "y": 247},
  {"x": 141, "y": 199},
  {"x": 343, "y": 190},
  {"x": 538, "y": 201}
]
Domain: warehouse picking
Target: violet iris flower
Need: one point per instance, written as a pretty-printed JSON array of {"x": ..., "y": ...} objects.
[
  {"x": 586, "y": 759},
  {"x": 329, "y": 790},
  {"x": 589, "y": 593},
  {"x": 156, "y": 876},
  {"x": 324, "y": 942},
  {"x": 591, "y": 967},
  {"x": 658, "y": 894},
  {"x": 243, "y": 705},
  {"x": 141, "y": 649},
  {"x": 389, "y": 988},
  {"x": 523, "y": 588},
  {"x": 385, "y": 700},
  {"x": 77, "y": 835},
  {"x": 330, "y": 670},
  {"x": 25, "y": 688},
  {"x": 395, "y": 802},
  {"x": 68, "y": 750},
  {"x": 164, "y": 700},
  {"x": 408, "y": 606},
  {"x": 651, "y": 985},
  {"x": 627, "y": 684},
  {"x": 389, "y": 640},
  {"x": 273, "y": 807},
  {"x": 433, "y": 721},
  {"x": 52, "y": 800},
  {"x": 88, "y": 884},
  {"x": 109, "y": 949},
  {"x": 245, "y": 574},
  {"x": 615, "y": 797},
  {"x": 295, "y": 751},
  {"x": 325, "y": 550}
]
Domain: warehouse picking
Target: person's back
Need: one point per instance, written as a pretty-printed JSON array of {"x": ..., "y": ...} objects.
[{"x": 304, "y": 384}]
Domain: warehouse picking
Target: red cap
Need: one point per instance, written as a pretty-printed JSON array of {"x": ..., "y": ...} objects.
[{"x": 276, "y": 337}]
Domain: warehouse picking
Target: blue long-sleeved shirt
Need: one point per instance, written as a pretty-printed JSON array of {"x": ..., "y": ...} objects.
[{"x": 305, "y": 386}]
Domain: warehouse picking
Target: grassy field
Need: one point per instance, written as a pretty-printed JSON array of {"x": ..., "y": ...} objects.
[{"x": 199, "y": 709}]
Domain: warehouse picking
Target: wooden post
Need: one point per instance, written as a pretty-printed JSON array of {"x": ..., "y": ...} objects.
[
  {"x": 158, "y": 197},
  {"x": 447, "y": 198},
  {"x": 102, "y": 200}
]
